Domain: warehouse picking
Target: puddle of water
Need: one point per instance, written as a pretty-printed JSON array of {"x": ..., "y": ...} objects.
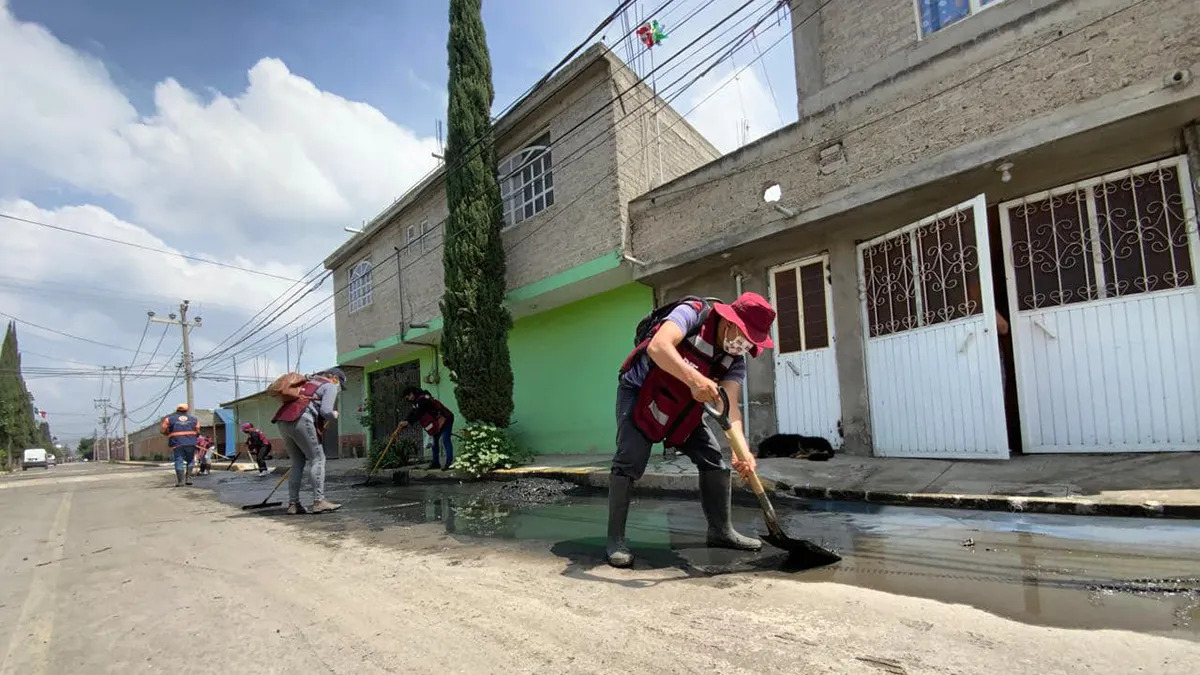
[{"x": 1081, "y": 572}]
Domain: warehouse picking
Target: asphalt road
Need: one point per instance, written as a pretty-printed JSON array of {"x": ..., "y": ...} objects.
[{"x": 109, "y": 570}]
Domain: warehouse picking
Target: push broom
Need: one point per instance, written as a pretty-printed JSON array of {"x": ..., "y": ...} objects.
[{"x": 265, "y": 503}]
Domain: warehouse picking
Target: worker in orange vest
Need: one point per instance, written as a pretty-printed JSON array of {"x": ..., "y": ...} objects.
[{"x": 182, "y": 430}]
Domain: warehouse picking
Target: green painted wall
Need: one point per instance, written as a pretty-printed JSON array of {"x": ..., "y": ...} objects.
[
  {"x": 565, "y": 365},
  {"x": 443, "y": 390}
]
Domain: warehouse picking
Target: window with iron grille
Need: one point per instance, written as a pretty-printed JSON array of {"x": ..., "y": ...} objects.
[
  {"x": 925, "y": 274},
  {"x": 527, "y": 182},
  {"x": 1108, "y": 237},
  {"x": 934, "y": 15},
  {"x": 360, "y": 285}
]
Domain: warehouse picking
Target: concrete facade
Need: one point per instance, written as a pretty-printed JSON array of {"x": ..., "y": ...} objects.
[
  {"x": 601, "y": 124},
  {"x": 895, "y": 127}
]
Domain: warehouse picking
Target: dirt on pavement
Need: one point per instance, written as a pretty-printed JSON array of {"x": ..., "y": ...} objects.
[{"x": 127, "y": 575}]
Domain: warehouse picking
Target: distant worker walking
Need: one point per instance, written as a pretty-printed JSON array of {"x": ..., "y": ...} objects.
[
  {"x": 435, "y": 418},
  {"x": 259, "y": 447},
  {"x": 308, "y": 405},
  {"x": 182, "y": 430}
]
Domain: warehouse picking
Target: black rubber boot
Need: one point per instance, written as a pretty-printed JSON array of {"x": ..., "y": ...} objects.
[
  {"x": 187, "y": 476},
  {"x": 715, "y": 499},
  {"x": 178, "y": 478},
  {"x": 620, "y": 491}
]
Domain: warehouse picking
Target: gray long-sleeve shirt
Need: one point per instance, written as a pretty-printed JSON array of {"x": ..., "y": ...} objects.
[{"x": 324, "y": 400}]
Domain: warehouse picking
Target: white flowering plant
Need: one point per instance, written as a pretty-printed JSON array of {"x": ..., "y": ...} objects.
[{"x": 483, "y": 448}]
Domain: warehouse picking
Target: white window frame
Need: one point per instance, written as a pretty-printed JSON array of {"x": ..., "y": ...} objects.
[
  {"x": 534, "y": 157},
  {"x": 359, "y": 286},
  {"x": 974, "y": 7},
  {"x": 426, "y": 235}
]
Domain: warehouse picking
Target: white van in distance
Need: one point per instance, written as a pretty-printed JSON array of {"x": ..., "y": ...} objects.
[{"x": 34, "y": 457}]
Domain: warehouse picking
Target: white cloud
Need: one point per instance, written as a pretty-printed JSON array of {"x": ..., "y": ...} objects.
[
  {"x": 733, "y": 102},
  {"x": 262, "y": 178}
]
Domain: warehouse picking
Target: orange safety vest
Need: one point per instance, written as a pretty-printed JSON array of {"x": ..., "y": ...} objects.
[{"x": 180, "y": 429}]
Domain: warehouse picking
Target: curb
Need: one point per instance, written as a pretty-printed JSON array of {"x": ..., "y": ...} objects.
[
  {"x": 685, "y": 485},
  {"x": 138, "y": 463},
  {"x": 1071, "y": 506}
]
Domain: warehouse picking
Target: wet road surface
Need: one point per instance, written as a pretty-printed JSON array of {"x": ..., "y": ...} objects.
[{"x": 1063, "y": 571}]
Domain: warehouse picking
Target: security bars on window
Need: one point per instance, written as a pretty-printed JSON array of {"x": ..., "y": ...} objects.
[
  {"x": 1117, "y": 235},
  {"x": 526, "y": 182},
  {"x": 360, "y": 285}
]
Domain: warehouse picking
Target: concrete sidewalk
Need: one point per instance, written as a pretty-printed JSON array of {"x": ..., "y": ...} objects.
[{"x": 1140, "y": 485}]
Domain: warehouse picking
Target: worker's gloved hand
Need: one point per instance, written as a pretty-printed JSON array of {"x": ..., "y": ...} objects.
[
  {"x": 744, "y": 468},
  {"x": 704, "y": 390}
]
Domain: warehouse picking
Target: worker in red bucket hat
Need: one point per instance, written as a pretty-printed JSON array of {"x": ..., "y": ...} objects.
[{"x": 683, "y": 351}]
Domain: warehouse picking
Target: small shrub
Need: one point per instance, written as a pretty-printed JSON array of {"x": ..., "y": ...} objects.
[
  {"x": 399, "y": 455},
  {"x": 159, "y": 457},
  {"x": 484, "y": 448}
]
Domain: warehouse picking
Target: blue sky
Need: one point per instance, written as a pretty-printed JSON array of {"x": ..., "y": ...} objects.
[{"x": 251, "y": 131}]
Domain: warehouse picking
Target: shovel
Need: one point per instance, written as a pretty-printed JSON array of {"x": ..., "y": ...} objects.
[
  {"x": 800, "y": 552},
  {"x": 265, "y": 503}
]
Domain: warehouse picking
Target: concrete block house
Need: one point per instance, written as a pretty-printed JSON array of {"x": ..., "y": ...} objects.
[
  {"x": 959, "y": 166},
  {"x": 573, "y": 153}
]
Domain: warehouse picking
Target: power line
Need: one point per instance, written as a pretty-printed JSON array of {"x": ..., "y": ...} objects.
[
  {"x": 214, "y": 353},
  {"x": 43, "y": 287},
  {"x": 571, "y": 158},
  {"x": 584, "y": 148},
  {"x": 141, "y": 340},
  {"x": 68, "y": 335},
  {"x": 767, "y": 77},
  {"x": 143, "y": 247},
  {"x": 162, "y": 336}
]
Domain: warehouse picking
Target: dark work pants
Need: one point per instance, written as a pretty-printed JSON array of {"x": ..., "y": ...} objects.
[{"x": 633, "y": 448}]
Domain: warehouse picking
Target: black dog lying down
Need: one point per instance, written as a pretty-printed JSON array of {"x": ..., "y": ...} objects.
[{"x": 796, "y": 446}]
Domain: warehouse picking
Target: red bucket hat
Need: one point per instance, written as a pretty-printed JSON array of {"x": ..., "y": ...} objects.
[{"x": 753, "y": 315}]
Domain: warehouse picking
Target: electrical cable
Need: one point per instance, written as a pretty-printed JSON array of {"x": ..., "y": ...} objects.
[{"x": 143, "y": 247}]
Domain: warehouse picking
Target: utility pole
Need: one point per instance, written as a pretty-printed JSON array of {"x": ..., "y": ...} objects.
[
  {"x": 186, "y": 327},
  {"x": 102, "y": 406},
  {"x": 124, "y": 427},
  {"x": 236, "y": 392},
  {"x": 124, "y": 421}
]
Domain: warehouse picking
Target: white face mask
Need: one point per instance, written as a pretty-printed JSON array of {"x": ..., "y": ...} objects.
[{"x": 736, "y": 346}]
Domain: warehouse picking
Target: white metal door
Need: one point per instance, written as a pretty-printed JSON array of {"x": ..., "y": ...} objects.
[
  {"x": 807, "y": 398},
  {"x": 933, "y": 358},
  {"x": 1102, "y": 276}
]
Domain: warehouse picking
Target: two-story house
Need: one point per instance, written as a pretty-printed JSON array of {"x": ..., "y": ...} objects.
[
  {"x": 574, "y": 152},
  {"x": 980, "y": 234}
]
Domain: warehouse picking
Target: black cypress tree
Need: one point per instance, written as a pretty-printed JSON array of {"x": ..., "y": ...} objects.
[
  {"x": 17, "y": 428},
  {"x": 476, "y": 322}
]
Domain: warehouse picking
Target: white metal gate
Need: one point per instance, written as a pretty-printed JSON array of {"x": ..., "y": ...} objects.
[
  {"x": 807, "y": 397},
  {"x": 1102, "y": 276},
  {"x": 933, "y": 358}
]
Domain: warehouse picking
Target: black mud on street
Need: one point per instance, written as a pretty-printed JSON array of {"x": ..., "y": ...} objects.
[{"x": 1062, "y": 571}]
